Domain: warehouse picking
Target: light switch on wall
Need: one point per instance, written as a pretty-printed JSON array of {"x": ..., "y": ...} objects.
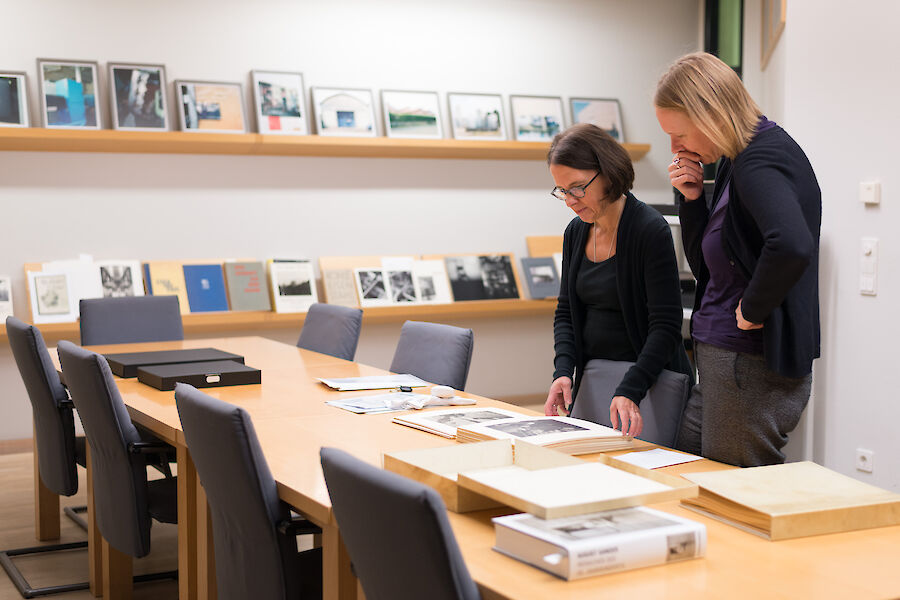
[
  {"x": 870, "y": 192},
  {"x": 868, "y": 266}
]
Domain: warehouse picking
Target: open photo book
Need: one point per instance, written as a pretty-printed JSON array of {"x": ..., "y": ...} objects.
[
  {"x": 572, "y": 436},
  {"x": 445, "y": 422}
]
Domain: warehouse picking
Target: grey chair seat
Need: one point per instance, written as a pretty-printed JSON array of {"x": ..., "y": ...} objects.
[{"x": 437, "y": 353}]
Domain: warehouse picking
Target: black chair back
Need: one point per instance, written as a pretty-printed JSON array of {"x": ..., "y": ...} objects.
[
  {"x": 396, "y": 531},
  {"x": 253, "y": 559},
  {"x": 54, "y": 422},
  {"x": 120, "y": 476},
  {"x": 130, "y": 319},
  {"x": 331, "y": 329},
  {"x": 437, "y": 353}
]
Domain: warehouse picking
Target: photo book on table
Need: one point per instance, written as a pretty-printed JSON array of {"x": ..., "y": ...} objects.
[
  {"x": 445, "y": 422},
  {"x": 600, "y": 543},
  {"x": 572, "y": 436}
]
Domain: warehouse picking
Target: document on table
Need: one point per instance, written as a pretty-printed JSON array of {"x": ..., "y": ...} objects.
[
  {"x": 379, "y": 403},
  {"x": 657, "y": 458},
  {"x": 372, "y": 382}
]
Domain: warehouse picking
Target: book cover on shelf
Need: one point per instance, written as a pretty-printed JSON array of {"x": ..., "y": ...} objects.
[
  {"x": 373, "y": 287},
  {"x": 293, "y": 285},
  {"x": 205, "y": 287},
  {"x": 6, "y": 299},
  {"x": 339, "y": 287},
  {"x": 482, "y": 277},
  {"x": 431, "y": 281},
  {"x": 600, "y": 543},
  {"x": 246, "y": 283},
  {"x": 541, "y": 276},
  {"x": 120, "y": 278},
  {"x": 51, "y": 296},
  {"x": 166, "y": 278}
]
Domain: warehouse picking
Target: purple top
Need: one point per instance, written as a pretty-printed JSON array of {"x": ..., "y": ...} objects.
[{"x": 715, "y": 322}]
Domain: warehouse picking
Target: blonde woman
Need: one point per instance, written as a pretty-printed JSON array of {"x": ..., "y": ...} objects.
[{"x": 754, "y": 250}]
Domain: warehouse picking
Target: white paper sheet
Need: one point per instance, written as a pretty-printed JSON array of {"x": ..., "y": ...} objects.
[{"x": 657, "y": 458}]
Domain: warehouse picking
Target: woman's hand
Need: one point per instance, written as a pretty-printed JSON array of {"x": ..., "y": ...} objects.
[
  {"x": 624, "y": 411},
  {"x": 560, "y": 397},
  {"x": 743, "y": 323},
  {"x": 686, "y": 174}
]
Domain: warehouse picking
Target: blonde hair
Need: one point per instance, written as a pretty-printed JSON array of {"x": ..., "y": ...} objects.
[{"x": 714, "y": 99}]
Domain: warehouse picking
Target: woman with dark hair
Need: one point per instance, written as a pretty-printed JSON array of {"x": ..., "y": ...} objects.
[
  {"x": 619, "y": 297},
  {"x": 754, "y": 251}
]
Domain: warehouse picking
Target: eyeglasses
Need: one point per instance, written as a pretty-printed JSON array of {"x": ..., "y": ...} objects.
[{"x": 576, "y": 192}]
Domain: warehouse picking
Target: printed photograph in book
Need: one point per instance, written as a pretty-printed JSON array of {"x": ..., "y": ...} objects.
[
  {"x": 69, "y": 94},
  {"x": 138, "y": 97},
  {"x": 536, "y": 118},
  {"x": 6, "y": 304},
  {"x": 293, "y": 284},
  {"x": 540, "y": 274},
  {"x": 279, "y": 102},
  {"x": 119, "y": 281},
  {"x": 13, "y": 100},
  {"x": 536, "y": 427},
  {"x": 402, "y": 289},
  {"x": 344, "y": 112},
  {"x": 481, "y": 277},
  {"x": 52, "y": 293},
  {"x": 412, "y": 114},
  {"x": 477, "y": 116},
  {"x": 211, "y": 106},
  {"x": 465, "y": 418},
  {"x": 432, "y": 285}
]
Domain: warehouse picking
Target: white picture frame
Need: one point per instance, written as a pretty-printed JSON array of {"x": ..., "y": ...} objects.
[
  {"x": 120, "y": 278},
  {"x": 432, "y": 284},
  {"x": 536, "y": 118},
  {"x": 6, "y": 297},
  {"x": 70, "y": 94},
  {"x": 14, "y": 99},
  {"x": 605, "y": 113},
  {"x": 210, "y": 106},
  {"x": 372, "y": 287},
  {"x": 137, "y": 94},
  {"x": 344, "y": 112},
  {"x": 279, "y": 102},
  {"x": 52, "y": 298},
  {"x": 293, "y": 285},
  {"x": 477, "y": 116},
  {"x": 412, "y": 114}
]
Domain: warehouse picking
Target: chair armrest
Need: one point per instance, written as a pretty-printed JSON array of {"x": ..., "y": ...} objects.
[
  {"x": 148, "y": 447},
  {"x": 66, "y": 404},
  {"x": 298, "y": 526}
]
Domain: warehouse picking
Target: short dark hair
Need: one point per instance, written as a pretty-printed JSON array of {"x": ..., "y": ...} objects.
[{"x": 586, "y": 147}]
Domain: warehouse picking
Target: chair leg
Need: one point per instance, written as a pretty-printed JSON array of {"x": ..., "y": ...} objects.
[
  {"x": 22, "y": 584},
  {"x": 74, "y": 513},
  {"x": 46, "y": 507},
  {"x": 117, "y": 573}
]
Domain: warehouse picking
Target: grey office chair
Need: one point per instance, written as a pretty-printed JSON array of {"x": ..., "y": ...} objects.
[
  {"x": 396, "y": 531},
  {"x": 255, "y": 539},
  {"x": 437, "y": 353},
  {"x": 59, "y": 449},
  {"x": 125, "y": 500},
  {"x": 331, "y": 329},
  {"x": 130, "y": 319},
  {"x": 661, "y": 408}
]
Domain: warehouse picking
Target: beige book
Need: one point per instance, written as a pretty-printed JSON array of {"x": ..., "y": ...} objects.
[
  {"x": 166, "y": 278},
  {"x": 793, "y": 500}
]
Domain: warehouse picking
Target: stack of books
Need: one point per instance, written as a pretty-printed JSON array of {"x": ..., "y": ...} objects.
[{"x": 572, "y": 436}]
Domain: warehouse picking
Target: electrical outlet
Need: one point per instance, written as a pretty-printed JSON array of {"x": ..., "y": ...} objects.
[{"x": 864, "y": 460}]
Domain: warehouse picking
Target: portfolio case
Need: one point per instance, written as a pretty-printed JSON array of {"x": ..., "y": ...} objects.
[
  {"x": 199, "y": 374},
  {"x": 126, "y": 364}
]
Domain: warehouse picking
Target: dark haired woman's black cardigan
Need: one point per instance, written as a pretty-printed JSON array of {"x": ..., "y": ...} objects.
[{"x": 650, "y": 294}]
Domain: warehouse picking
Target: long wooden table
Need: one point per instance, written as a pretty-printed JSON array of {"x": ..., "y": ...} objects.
[{"x": 293, "y": 422}]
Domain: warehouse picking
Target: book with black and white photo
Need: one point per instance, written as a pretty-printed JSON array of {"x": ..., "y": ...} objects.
[
  {"x": 484, "y": 277},
  {"x": 432, "y": 285},
  {"x": 6, "y": 300},
  {"x": 600, "y": 543},
  {"x": 373, "y": 287},
  {"x": 293, "y": 285},
  {"x": 445, "y": 422},
  {"x": 541, "y": 276},
  {"x": 372, "y": 382},
  {"x": 572, "y": 436},
  {"x": 120, "y": 278}
]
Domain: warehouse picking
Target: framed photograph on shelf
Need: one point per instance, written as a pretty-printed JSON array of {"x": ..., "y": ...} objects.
[
  {"x": 52, "y": 298},
  {"x": 138, "y": 97},
  {"x": 412, "y": 114},
  {"x": 279, "y": 102},
  {"x": 602, "y": 112},
  {"x": 541, "y": 276},
  {"x": 6, "y": 300},
  {"x": 344, "y": 112},
  {"x": 372, "y": 287},
  {"x": 69, "y": 94},
  {"x": 292, "y": 283},
  {"x": 210, "y": 106},
  {"x": 477, "y": 116},
  {"x": 13, "y": 99},
  {"x": 536, "y": 118},
  {"x": 482, "y": 277}
]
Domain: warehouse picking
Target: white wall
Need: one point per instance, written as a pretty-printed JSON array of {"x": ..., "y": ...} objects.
[
  {"x": 167, "y": 206},
  {"x": 833, "y": 81}
]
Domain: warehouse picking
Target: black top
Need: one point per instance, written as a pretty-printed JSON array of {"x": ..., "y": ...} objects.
[
  {"x": 770, "y": 233},
  {"x": 649, "y": 294},
  {"x": 604, "y": 331}
]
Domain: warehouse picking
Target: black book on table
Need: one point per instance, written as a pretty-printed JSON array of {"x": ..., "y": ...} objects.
[
  {"x": 126, "y": 364},
  {"x": 199, "y": 374}
]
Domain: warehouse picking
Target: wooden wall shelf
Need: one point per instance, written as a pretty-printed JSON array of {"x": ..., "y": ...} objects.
[
  {"x": 217, "y": 322},
  {"x": 35, "y": 139}
]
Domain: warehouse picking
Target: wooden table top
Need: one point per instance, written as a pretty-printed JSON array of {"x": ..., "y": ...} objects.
[{"x": 292, "y": 422}]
